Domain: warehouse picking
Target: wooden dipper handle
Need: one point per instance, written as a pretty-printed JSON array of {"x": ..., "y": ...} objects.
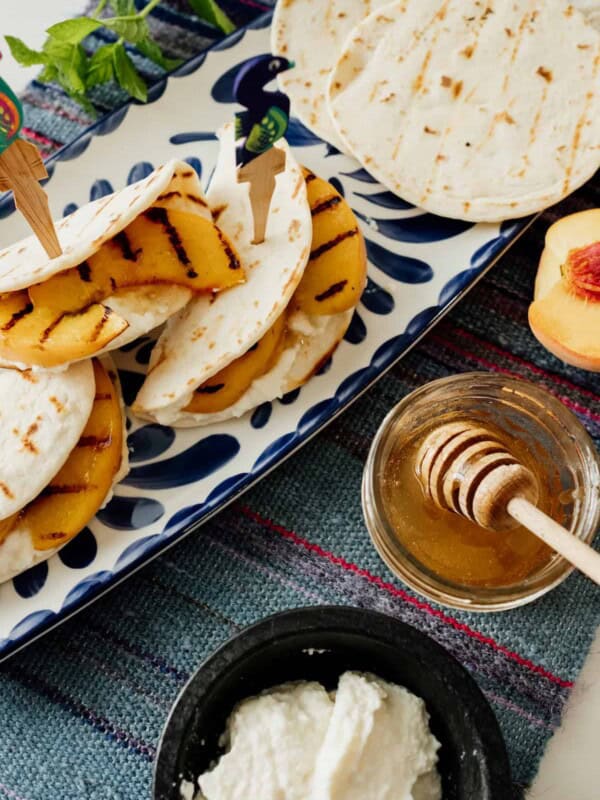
[
  {"x": 578, "y": 553},
  {"x": 464, "y": 469}
]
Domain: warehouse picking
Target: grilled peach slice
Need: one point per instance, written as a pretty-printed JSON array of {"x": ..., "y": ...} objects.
[
  {"x": 6, "y": 526},
  {"x": 332, "y": 283},
  {"x": 565, "y": 315},
  {"x": 227, "y": 386},
  {"x": 76, "y": 493},
  {"x": 47, "y": 337},
  {"x": 335, "y": 275},
  {"x": 160, "y": 246}
]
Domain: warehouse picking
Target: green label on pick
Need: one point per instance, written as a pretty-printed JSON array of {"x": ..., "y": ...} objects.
[{"x": 11, "y": 116}]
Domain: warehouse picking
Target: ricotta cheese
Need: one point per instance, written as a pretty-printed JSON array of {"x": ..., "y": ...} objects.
[
  {"x": 378, "y": 743},
  {"x": 369, "y": 739},
  {"x": 273, "y": 742}
]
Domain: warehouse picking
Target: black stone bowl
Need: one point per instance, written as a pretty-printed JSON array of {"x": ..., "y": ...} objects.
[{"x": 321, "y": 643}]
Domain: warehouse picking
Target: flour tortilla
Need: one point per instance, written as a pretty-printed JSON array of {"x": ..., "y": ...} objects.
[
  {"x": 211, "y": 332},
  {"x": 472, "y": 113},
  {"x": 591, "y": 11},
  {"x": 313, "y": 339},
  {"x": 311, "y": 33},
  {"x": 87, "y": 228},
  {"x": 145, "y": 308},
  {"x": 17, "y": 552},
  {"x": 43, "y": 415}
]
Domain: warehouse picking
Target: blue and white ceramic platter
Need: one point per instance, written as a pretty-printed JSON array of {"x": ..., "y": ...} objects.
[{"x": 419, "y": 264}]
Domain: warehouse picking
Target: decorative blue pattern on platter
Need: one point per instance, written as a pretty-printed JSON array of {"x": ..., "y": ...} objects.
[
  {"x": 386, "y": 200},
  {"x": 405, "y": 269},
  {"x": 419, "y": 265},
  {"x": 149, "y": 441},
  {"x": 357, "y": 330},
  {"x": 199, "y": 461},
  {"x": 29, "y": 583},
  {"x": 81, "y": 551},
  {"x": 100, "y": 188},
  {"x": 420, "y": 228},
  {"x": 130, "y": 513},
  {"x": 376, "y": 299},
  {"x": 261, "y": 415}
]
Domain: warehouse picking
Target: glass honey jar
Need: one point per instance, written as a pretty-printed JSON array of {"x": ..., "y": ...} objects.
[{"x": 446, "y": 557}]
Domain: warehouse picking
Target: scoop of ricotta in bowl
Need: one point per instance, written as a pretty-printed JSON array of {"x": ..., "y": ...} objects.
[{"x": 369, "y": 738}]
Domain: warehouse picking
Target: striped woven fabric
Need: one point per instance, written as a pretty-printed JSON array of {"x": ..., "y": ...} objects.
[{"x": 83, "y": 708}]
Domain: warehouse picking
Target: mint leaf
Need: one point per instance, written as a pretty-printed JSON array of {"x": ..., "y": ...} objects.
[
  {"x": 151, "y": 50},
  {"x": 123, "y": 8},
  {"x": 73, "y": 31},
  {"x": 23, "y": 54},
  {"x": 210, "y": 11},
  {"x": 48, "y": 74},
  {"x": 101, "y": 66},
  {"x": 132, "y": 29},
  {"x": 126, "y": 74},
  {"x": 71, "y": 62}
]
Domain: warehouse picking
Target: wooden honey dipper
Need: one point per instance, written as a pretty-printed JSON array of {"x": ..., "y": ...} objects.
[{"x": 464, "y": 469}]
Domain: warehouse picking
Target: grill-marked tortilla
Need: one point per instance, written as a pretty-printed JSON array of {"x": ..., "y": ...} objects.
[
  {"x": 209, "y": 333},
  {"x": 133, "y": 310},
  {"x": 312, "y": 340},
  {"x": 67, "y": 408},
  {"x": 311, "y": 33},
  {"x": 43, "y": 415},
  {"x": 306, "y": 331},
  {"x": 472, "y": 111},
  {"x": 86, "y": 229}
]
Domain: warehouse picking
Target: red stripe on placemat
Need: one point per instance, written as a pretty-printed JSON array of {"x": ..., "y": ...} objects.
[
  {"x": 484, "y": 362},
  {"x": 251, "y": 4},
  {"x": 31, "y": 134},
  {"x": 393, "y": 590}
]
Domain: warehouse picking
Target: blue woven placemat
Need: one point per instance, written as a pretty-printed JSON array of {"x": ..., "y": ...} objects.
[{"x": 83, "y": 708}]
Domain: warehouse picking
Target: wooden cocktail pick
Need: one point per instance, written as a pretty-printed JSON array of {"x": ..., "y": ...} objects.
[
  {"x": 260, "y": 174},
  {"x": 464, "y": 469},
  {"x": 264, "y": 121},
  {"x": 21, "y": 169}
]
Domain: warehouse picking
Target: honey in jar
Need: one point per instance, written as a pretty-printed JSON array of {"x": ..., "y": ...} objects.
[{"x": 450, "y": 545}]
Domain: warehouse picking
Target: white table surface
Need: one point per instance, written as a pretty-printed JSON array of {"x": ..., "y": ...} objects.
[{"x": 570, "y": 769}]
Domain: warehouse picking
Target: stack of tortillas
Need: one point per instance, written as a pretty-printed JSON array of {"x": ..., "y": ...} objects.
[{"x": 476, "y": 110}]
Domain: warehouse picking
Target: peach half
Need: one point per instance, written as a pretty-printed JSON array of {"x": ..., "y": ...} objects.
[{"x": 565, "y": 313}]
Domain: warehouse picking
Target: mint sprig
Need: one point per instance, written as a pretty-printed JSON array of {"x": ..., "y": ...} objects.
[
  {"x": 65, "y": 61},
  {"x": 211, "y": 12}
]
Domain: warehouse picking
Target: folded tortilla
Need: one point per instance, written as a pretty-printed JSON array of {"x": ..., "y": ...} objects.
[
  {"x": 43, "y": 417},
  {"x": 303, "y": 328},
  {"x": 82, "y": 232},
  {"x": 44, "y": 428},
  {"x": 174, "y": 186},
  {"x": 311, "y": 340},
  {"x": 210, "y": 332}
]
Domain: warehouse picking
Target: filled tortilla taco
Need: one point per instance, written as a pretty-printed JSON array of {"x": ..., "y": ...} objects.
[
  {"x": 63, "y": 448},
  {"x": 130, "y": 260},
  {"x": 258, "y": 340}
]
